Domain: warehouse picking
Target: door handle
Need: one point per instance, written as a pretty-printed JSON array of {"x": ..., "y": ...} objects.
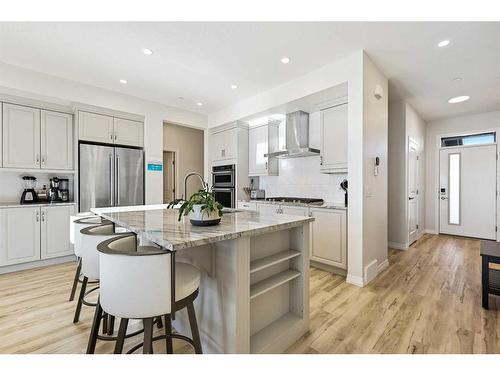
[
  {"x": 444, "y": 198},
  {"x": 117, "y": 182},
  {"x": 110, "y": 180},
  {"x": 411, "y": 198}
]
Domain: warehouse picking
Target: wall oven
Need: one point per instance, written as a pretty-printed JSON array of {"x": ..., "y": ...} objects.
[
  {"x": 223, "y": 176},
  {"x": 225, "y": 196},
  {"x": 223, "y": 185}
]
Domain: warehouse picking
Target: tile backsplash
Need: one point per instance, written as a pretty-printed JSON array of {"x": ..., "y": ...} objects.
[{"x": 301, "y": 177}]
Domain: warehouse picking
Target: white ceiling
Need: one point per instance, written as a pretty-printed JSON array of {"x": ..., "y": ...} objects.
[{"x": 199, "y": 61}]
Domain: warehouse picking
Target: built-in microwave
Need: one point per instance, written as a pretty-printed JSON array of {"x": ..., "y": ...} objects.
[{"x": 223, "y": 176}]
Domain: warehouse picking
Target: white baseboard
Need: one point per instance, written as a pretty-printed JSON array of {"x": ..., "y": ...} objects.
[
  {"x": 430, "y": 231},
  {"x": 36, "y": 264},
  {"x": 382, "y": 266},
  {"x": 355, "y": 280},
  {"x": 398, "y": 245}
]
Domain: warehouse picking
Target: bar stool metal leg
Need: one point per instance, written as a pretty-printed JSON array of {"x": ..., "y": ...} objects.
[
  {"x": 75, "y": 280},
  {"x": 80, "y": 300},
  {"x": 122, "y": 331},
  {"x": 148, "y": 336},
  {"x": 194, "y": 328},
  {"x": 168, "y": 332},
  {"x": 95, "y": 329}
]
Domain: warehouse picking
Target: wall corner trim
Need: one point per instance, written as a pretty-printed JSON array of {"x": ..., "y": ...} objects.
[{"x": 355, "y": 280}]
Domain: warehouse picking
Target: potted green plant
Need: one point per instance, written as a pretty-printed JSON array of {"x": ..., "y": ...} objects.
[{"x": 202, "y": 209}]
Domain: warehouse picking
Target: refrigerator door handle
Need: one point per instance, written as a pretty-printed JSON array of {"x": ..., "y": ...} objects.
[
  {"x": 117, "y": 180},
  {"x": 111, "y": 180}
]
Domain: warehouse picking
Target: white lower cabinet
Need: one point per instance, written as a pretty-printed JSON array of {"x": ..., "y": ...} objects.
[
  {"x": 20, "y": 235},
  {"x": 293, "y": 210},
  {"x": 329, "y": 237},
  {"x": 55, "y": 241},
  {"x": 28, "y": 234}
]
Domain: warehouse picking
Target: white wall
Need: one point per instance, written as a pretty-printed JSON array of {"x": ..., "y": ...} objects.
[
  {"x": 34, "y": 85},
  {"x": 456, "y": 125},
  {"x": 404, "y": 123},
  {"x": 375, "y": 140},
  {"x": 301, "y": 177}
]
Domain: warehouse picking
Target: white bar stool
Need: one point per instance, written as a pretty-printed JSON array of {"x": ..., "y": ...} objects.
[
  {"x": 90, "y": 237},
  {"x": 138, "y": 285},
  {"x": 79, "y": 222}
]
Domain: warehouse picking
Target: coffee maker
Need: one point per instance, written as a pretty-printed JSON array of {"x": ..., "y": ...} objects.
[
  {"x": 64, "y": 189},
  {"x": 29, "y": 195},
  {"x": 54, "y": 191}
]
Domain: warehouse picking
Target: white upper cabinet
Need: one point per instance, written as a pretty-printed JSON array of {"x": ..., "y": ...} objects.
[
  {"x": 55, "y": 241},
  {"x": 56, "y": 140},
  {"x": 262, "y": 140},
  {"x": 328, "y": 237},
  {"x": 94, "y": 127},
  {"x": 223, "y": 144},
  {"x": 333, "y": 157},
  {"x": 19, "y": 235},
  {"x": 21, "y": 136},
  {"x": 127, "y": 132}
]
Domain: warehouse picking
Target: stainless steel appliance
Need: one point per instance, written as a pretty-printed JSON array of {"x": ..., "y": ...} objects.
[
  {"x": 64, "y": 189},
  {"x": 54, "y": 194},
  {"x": 224, "y": 176},
  {"x": 225, "y": 196},
  {"x": 257, "y": 194},
  {"x": 29, "y": 195},
  {"x": 297, "y": 137},
  {"x": 315, "y": 201},
  {"x": 110, "y": 176},
  {"x": 223, "y": 184}
]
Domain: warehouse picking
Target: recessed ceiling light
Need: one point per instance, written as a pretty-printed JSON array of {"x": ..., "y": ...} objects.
[
  {"x": 285, "y": 60},
  {"x": 234, "y": 87},
  {"x": 147, "y": 51},
  {"x": 443, "y": 43},
  {"x": 199, "y": 104},
  {"x": 123, "y": 81},
  {"x": 459, "y": 99},
  {"x": 180, "y": 97},
  {"x": 457, "y": 79}
]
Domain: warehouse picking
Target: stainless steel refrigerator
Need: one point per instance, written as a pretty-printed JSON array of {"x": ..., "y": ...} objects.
[{"x": 110, "y": 176}]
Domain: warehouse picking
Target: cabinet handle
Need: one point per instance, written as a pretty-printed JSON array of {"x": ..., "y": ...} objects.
[
  {"x": 321, "y": 160},
  {"x": 266, "y": 165},
  {"x": 223, "y": 152},
  {"x": 37, "y": 216},
  {"x": 111, "y": 136},
  {"x": 115, "y": 135},
  {"x": 37, "y": 159},
  {"x": 43, "y": 159},
  {"x": 43, "y": 215}
]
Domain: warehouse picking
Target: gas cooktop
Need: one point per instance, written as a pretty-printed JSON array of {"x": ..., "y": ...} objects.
[{"x": 317, "y": 201}]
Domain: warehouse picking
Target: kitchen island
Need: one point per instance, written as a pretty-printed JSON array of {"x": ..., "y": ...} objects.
[{"x": 254, "y": 291}]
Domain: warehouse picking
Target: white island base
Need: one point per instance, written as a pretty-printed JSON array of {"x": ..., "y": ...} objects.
[{"x": 254, "y": 292}]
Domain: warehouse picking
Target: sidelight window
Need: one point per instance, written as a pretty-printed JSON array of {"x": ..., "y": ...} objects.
[{"x": 454, "y": 188}]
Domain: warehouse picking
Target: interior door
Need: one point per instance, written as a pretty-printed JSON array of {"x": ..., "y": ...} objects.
[
  {"x": 168, "y": 176},
  {"x": 467, "y": 195},
  {"x": 413, "y": 199},
  {"x": 129, "y": 186}
]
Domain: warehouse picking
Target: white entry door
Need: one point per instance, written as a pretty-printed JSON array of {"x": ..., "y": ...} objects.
[
  {"x": 467, "y": 195},
  {"x": 413, "y": 199}
]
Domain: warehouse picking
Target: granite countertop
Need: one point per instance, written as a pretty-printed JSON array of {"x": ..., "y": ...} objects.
[
  {"x": 328, "y": 205},
  {"x": 38, "y": 204},
  {"x": 161, "y": 226}
]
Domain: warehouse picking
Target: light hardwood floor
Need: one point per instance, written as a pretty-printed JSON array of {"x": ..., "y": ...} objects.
[{"x": 427, "y": 301}]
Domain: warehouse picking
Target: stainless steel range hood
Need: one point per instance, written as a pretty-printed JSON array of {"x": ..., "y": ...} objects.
[{"x": 297, "y": 137}]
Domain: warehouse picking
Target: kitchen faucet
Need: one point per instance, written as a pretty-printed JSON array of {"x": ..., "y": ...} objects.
[{"x": 203, "y": 183}]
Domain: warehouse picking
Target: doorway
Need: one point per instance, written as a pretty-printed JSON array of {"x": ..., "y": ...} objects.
[
  {"x": 467, "y": 190},
  {"x": 413, "y": 197},
  {"x": 169, "y": 176}
]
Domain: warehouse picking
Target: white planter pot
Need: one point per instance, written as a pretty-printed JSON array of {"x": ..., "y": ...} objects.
[{"x": 198, "y": 215}]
